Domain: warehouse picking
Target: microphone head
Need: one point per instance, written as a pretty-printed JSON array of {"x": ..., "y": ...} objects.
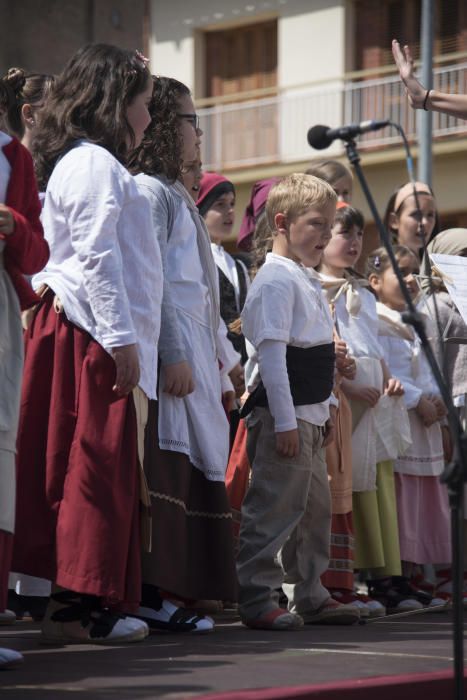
[{"x": 318, "y": 137}]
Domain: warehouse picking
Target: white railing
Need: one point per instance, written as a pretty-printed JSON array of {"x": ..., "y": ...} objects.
[{"x": 273, "y": 130}]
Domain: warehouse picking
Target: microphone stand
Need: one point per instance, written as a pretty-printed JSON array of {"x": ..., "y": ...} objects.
[{"x": 455, "y": 473}]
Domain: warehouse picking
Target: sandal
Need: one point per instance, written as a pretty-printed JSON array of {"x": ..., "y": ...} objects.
[
  {"x": 76, "y": 618},
  {"x": 170, "y": 618}
]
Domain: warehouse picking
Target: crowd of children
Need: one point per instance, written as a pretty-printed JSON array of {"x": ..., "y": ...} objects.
[{"x": 180, "y": 426}]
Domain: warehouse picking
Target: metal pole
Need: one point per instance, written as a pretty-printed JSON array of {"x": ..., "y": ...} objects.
[{"x": 425, "y": 121}]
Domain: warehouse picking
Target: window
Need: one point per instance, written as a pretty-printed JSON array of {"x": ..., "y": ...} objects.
[{"x": 241, "y": 59}]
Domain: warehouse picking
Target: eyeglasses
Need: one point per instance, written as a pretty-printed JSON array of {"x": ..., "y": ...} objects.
[{"x": 192, "y": 118}]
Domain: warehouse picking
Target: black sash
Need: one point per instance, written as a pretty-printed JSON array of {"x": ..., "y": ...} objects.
[{"x": 311, "y": 377}]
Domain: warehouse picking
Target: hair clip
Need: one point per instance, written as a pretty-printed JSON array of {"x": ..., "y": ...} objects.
[
  {"x": 377, "y": 262},
  {"x": 141, "y": 58}
]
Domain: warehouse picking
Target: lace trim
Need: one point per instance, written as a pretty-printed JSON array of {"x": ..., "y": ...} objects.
[
  {"x": 421, "y": 460},
  {"x": 196, "y": 460},
  {"x": 191, "y": 513}
]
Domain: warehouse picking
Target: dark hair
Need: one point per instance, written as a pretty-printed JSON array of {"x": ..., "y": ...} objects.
[
  {"x": 348, "y": 217},
  {"x": 329, "y": 170},
  {"x": 24, "y": 88},
  {"x": 161, "y": 150},
  {"x": 89, "y": 100},
  {"x": 378, "y": 260},
  {"x": 390, "y": 210}
]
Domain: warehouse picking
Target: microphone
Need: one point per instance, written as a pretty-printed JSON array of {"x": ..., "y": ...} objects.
[{"x": 320, "y": 136}]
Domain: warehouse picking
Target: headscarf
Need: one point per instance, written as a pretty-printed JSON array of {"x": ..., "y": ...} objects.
[
  {"x": 211, "y": 187},
  {"x": 453, "y": 241},
  {"x": 254, "y": 209}
]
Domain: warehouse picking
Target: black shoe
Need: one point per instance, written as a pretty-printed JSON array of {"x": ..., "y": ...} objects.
[
  {"x": 33, "y": 606},
  {"x": 395, "y": 598}
]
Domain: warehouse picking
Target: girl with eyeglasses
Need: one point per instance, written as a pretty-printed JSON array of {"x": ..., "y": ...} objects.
[{"x": 187, "y": 437}]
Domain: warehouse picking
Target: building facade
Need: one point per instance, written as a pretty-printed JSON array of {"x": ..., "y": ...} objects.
[{"x": 262, "y": 73}]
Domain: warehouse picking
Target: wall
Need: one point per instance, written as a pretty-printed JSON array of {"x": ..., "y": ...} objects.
[{"x": 41, "y": 35}]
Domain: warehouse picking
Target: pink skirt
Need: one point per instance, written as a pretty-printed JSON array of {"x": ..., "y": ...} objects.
[{"x": 424, "y": 519}]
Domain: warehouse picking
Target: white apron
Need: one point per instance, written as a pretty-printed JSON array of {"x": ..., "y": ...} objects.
[
  {"x": 196, "y": 424},
  {"x": 11, "y": 367}
]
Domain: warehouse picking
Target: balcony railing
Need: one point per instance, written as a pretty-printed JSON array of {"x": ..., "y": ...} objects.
[{"x": 274, "y": 129}]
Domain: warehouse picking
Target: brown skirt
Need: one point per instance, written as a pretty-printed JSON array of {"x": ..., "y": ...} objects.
[
  {"x": 77, "y": 514},
  {"x": 192, "y": 544}
]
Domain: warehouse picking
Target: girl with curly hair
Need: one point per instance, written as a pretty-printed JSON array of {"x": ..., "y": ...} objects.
[
  {"x": 187, "y": 437},
  {"x": 90, "y": 352}
]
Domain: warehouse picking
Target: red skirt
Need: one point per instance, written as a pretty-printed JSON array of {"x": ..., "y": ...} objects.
[
  {"x": 77, "y": 514},
  {"x": 237, "y": 478}
]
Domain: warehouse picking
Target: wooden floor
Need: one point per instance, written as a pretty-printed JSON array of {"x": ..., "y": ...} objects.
[{"x": 231, "y": 658}]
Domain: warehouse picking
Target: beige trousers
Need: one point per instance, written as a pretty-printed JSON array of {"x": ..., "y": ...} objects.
[
  {"x": 286, "y": 521},
  {"x": 141, "y": 408}
]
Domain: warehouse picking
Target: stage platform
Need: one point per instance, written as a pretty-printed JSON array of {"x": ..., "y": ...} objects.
[{"x": 323, "y": 662}]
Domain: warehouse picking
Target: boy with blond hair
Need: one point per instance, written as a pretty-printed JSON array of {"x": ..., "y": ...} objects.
[{"x": 286, "y": 514}]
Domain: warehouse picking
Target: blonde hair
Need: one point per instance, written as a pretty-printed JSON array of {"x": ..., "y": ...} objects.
[{"x": 295, "y": 194}]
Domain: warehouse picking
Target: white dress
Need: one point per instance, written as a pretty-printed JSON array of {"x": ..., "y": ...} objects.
[
  {"x": 195, "y": 425},
  {"x": 407, "y": 362}
]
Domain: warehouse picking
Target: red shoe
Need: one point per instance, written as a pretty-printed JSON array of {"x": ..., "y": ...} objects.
[
  {"x": 277, "y": 620},
  {"x": 332, "y": 612}
]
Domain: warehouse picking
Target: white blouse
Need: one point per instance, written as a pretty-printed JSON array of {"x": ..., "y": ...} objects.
[
  {"x": 105, "y": 262},
  {"x": 285, "y": 304}
]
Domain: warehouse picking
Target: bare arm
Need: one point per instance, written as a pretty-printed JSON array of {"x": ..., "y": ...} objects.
[{"x": 454, "y": 105}]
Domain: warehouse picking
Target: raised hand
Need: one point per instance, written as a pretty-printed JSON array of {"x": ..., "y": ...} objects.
[{"x": 405, "y": 65}]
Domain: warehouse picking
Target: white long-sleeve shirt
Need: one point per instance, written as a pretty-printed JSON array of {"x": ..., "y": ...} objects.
[
  {"x": 284, "y": 306},
  {"x": 105, "y": 262}
]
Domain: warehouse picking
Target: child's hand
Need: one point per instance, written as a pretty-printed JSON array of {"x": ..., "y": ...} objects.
[
  {"x": 7, "y": 222},
  {"x": 177, "y": 379},
  {"x": 288, "y": 443},
  {"x": 127, "y": 369},
  {"x": 228, "y": 400},
  {"x": 426, "y": 409},
  {"x": 347, "y": 367},
  {"x": 340, "y": 348},
  {"x": 440, "y": 406},
  {"x": 394, "y": 387},
  {"x": 330, "y": 427},
  {"x": 237, "y": 377},
  {"x": 368, "y": 394}
]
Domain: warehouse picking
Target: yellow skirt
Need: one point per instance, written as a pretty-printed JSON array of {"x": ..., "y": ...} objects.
[{"x": 375, "y": 526}]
